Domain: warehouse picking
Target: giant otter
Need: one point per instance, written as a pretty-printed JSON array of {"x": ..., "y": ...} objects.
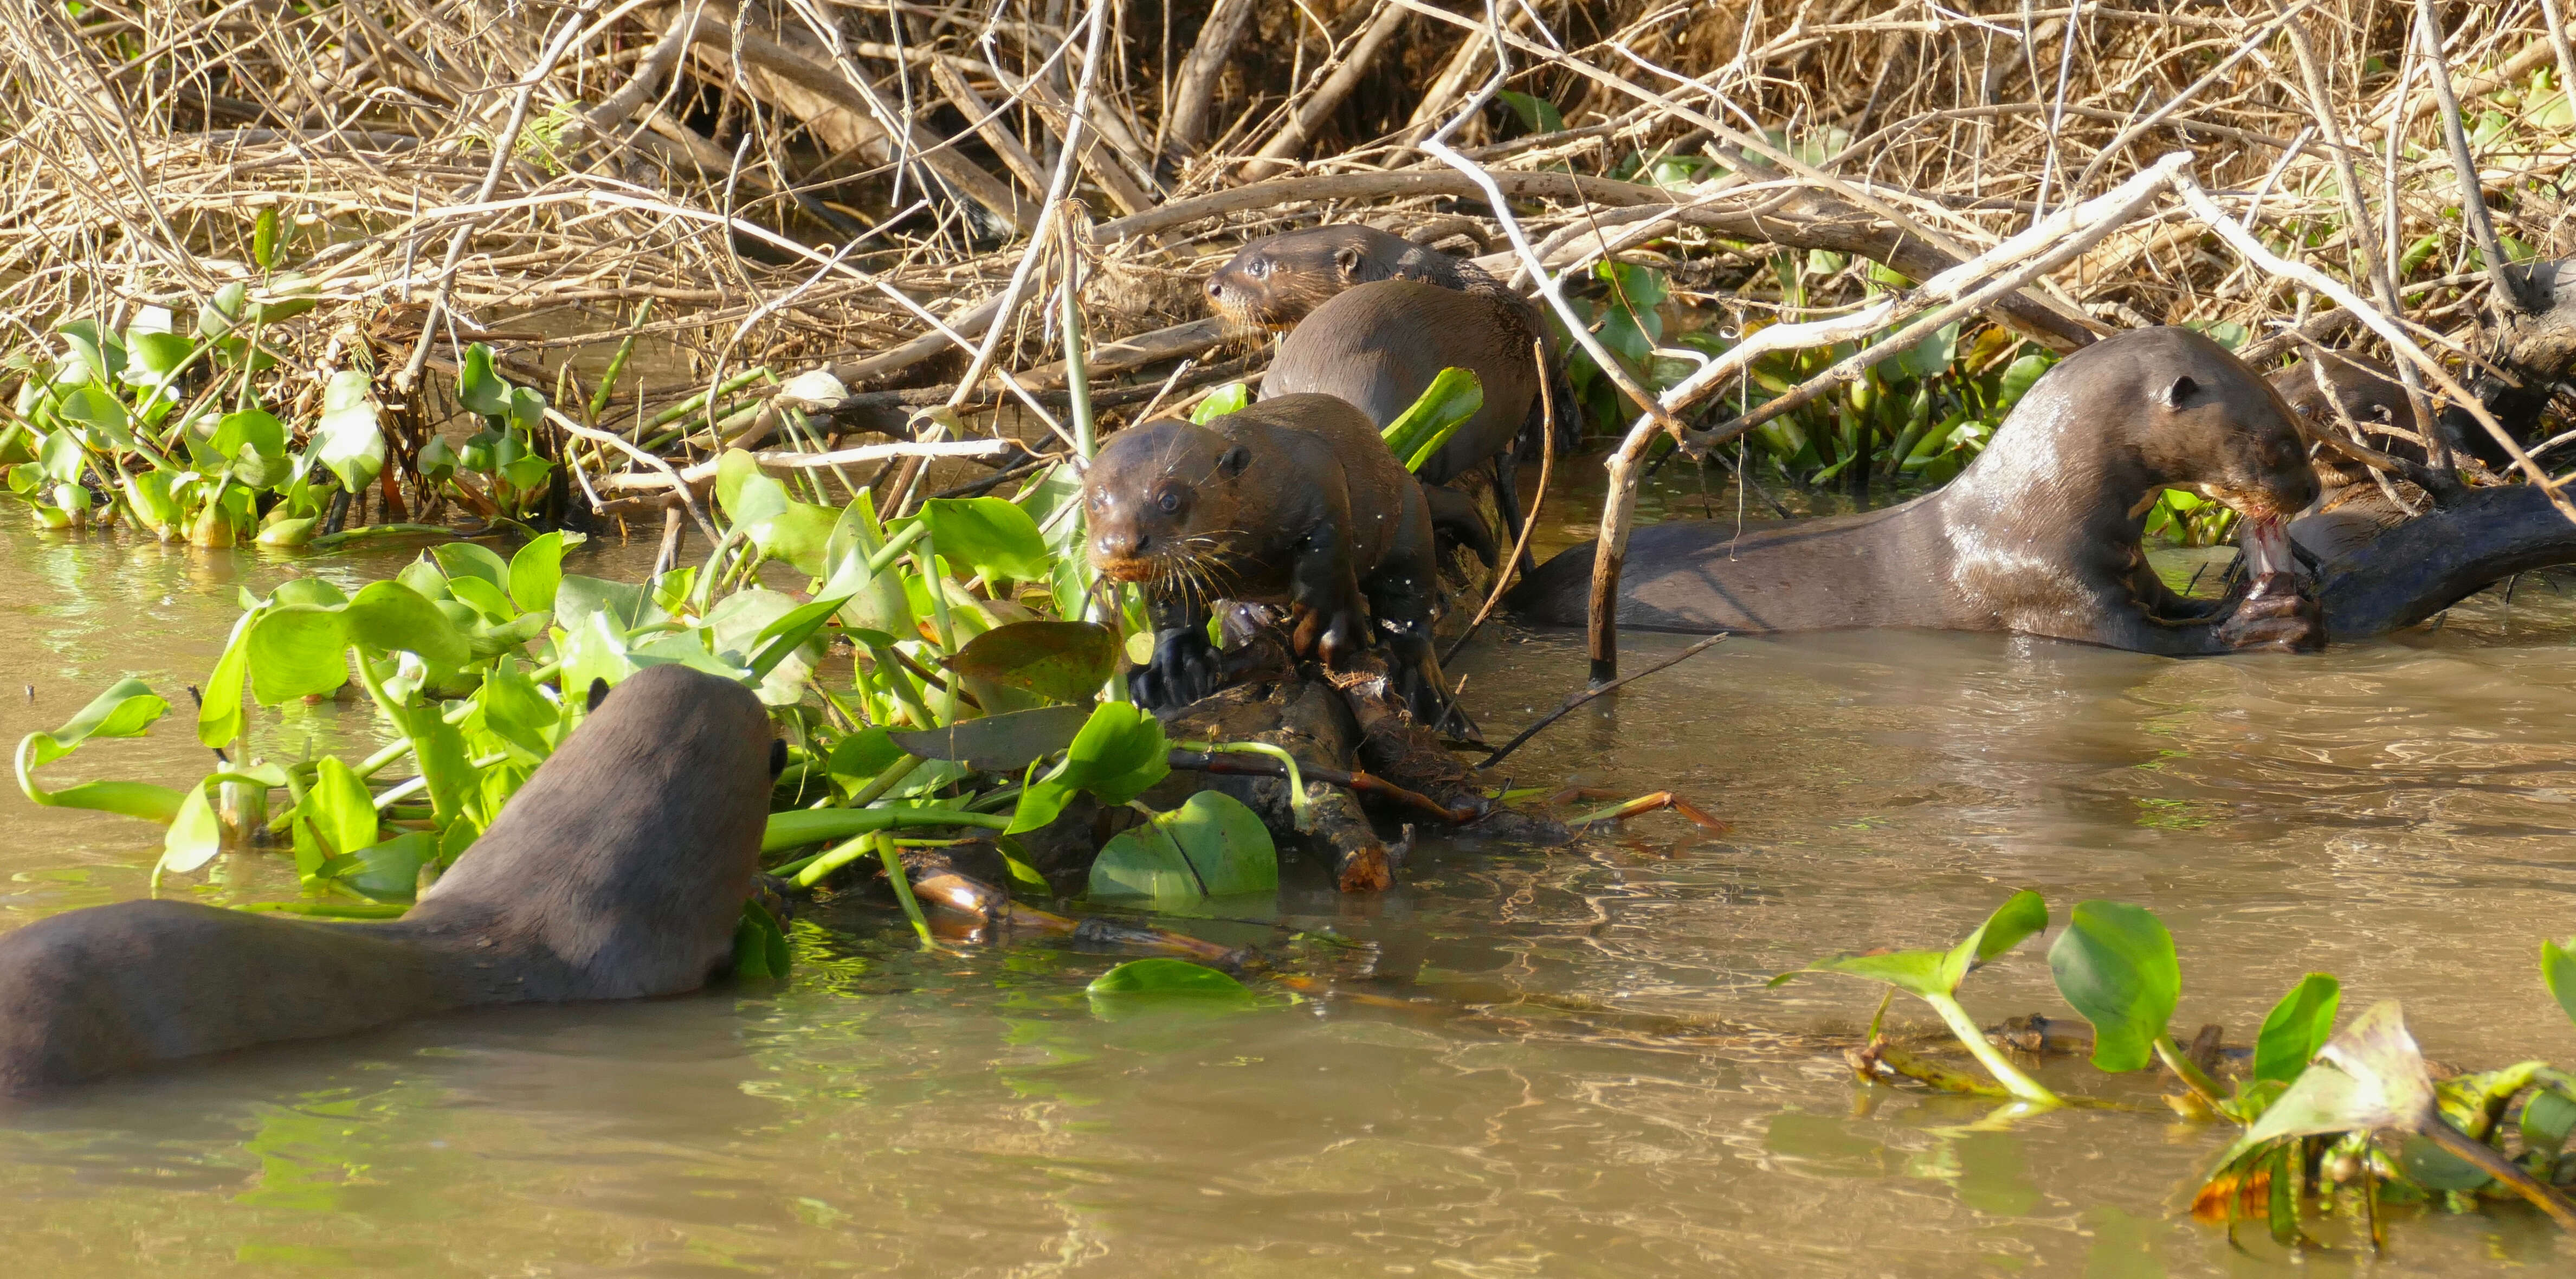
[
  {"x": 1293, "y": 501},
  {"x": 619, "y": 870},
  {"x": 1379, "y": 345},
  {"x": 2039, "y": 535},
  {"x": 1276, "y": 280}
]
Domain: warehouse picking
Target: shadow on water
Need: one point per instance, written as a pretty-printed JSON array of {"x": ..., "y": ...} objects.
[{"x": 2397, "y": 813}]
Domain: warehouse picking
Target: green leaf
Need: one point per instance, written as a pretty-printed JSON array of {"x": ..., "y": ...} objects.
[
  {"x": 483, "y": 598},
  {"x": 392, "y": 868},
  {"x": 195, "y": 835},
  {"x": 1144, "y": 985},
  {"x": 478, "y": 388},
  {"x": 1232, "y": 397},
  {"x": 1935, "y": 973},
  {"x": 536, "y": 571},
  {"x": 2558, "y": 972},
  {"x": 101, "y": 412},
  {"x": 2019, "y": 377},
  {"x": 793, "y": 630},
  {"x": 466, "y": 559},
  {"x": 347, "y": 439},
  {"x": 1452, "y": 398},
  {"x": 1210, "y": 846},
  {"x": 516, "y": 712},
  {"x": 2115, "y": 964},
  {"x": 989, "y": 534},
  {"x": 339, "y": 807},
  {"x": 2297, "y": 1027},
  {"x": 2022, "y": 914},
  {"x": 102, "y": 357},
  {"x": 220, "y": 314},
  {"x": 1537, "y": 115},
  {"x": 298, "y": 650},
  {"x": 255, "y": 429},
  {"x": 128, "y": 708},
  {"x": 759, "y": 945},
  {"x": 2368, "y": 1078},
  {"x": 264, "y": 239},
  {"x": 1119, "y": 752},
  {"x": 436, "y": 459},
  {"x": 2547, "y": 1118},
  {"x": 1037, "y": 662},
  {"x": 858, "y": 758},
  {"x": 1004, "y": 743},
  {"x": 219, "y": 710},
  {"x": 389, "y": 617},
  {"x": 155, "y": 356}
]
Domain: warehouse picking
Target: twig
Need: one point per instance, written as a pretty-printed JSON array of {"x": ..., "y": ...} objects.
[
  {"x": 1510, "y": 564},
  {"x": 2473, "y": 200},
  {"x": 1590, "y": 691}
]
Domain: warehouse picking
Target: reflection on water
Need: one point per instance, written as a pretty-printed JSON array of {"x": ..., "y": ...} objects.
[{"x": 2397, "y": 813}]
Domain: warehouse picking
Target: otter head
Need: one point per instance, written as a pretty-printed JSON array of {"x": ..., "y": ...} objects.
[
  {"x": 1159, "y": 500},
  {"x": 2326, "y": 392},
  {"x": 1277, "y": 279},
  {"x": 2192, "y": 416}
]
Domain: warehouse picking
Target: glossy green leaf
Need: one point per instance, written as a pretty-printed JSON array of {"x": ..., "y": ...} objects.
[
  {"x": 759, "y": 946},
  {"x": 467, "y": 559},
  {"x": 1210, "y": 846},
  {"x": 264, "y": 238},
  {"x": 2019, "y": 377},
  {"x": 478, "y": 388},
  {"x": 1233, "y": 397},
  {"x": 1418, "y": 432},
  {"x": 223, "y": 312},
  {"x": 128, "y": 708},
  {"x": 2115, "y": 964},
  {"x": 989, "y": 535},
  {"x": 1537, "y": 115},
  {"x": 219, "y": 710},
  {"x": 1037, "y": 663},
  {"x": 347, "y": 439},
  {"x": 298, "y": 650},
  {"x": 1143, "y": 983},
  {"x": 536, "y": 571},
  {"x": 390, "y": 617},
  {"x": 1004, "y": 743},
  {"x": 1937, "y": 973},
  {"x": 793, "y": 630},
  {"x": 390, "y": 869},
  {"x": 2558, "y": 972},
  {"x": 858, "y": 758},
  {"x": 196, "y": 834},
  {"x": 1119, "y": 752},
  {"x": 339, "y": 806},
  {"x": 2297, "y": 1027}
]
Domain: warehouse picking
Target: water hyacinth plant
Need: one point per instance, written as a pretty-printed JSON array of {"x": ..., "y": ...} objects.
[{"x": 2332, "y": 1120}]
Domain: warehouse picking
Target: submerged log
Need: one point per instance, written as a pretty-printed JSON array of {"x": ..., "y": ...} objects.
[{"x": 2424, "y": 565}]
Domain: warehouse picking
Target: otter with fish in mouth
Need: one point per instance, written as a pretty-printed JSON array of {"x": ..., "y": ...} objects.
[{"x": 2040, "y": 535}]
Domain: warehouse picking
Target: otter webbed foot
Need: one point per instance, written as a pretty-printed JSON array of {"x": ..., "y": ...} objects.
[
  {"x": 2279, "y": 614},
  {"x": 1186, "y": 667}
]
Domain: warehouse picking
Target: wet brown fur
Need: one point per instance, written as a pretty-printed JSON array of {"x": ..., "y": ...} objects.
[{"x": 619, "y": 870}]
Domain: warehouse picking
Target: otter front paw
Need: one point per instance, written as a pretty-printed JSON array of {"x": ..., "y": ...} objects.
[
  {"x": 2280, "y": 614},
  {"x": 1186, "y": 667}
]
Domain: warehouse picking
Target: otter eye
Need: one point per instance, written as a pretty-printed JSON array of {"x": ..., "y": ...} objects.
[
  {"x": 1259, "y": 270},
  {"x": 1169, "y": 500}
]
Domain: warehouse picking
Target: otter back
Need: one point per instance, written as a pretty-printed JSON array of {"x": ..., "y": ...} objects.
[
  {"x": 1379, "y": 346},
  {"x": 619, "y": 869}
]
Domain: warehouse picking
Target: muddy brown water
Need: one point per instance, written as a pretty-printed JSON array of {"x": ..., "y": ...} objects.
[{"x": 2397, "y": 812}]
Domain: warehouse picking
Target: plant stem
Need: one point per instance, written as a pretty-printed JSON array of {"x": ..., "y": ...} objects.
[
  {"x": 903, "y": 888},
  {"x": 1300, "y": 808},
  {"x": 2185, "y": 1069},
  {"x": 1987, "y": 1055}
]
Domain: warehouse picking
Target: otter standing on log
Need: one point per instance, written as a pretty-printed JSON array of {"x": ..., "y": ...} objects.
[
  {"x": 1294, "y": 501},
  {"x": 618, "y": 871},
  {"x": 2039, "y": 535}
]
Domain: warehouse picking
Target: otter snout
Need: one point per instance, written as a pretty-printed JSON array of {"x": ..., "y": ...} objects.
[{"x": 1120, "y": 544}]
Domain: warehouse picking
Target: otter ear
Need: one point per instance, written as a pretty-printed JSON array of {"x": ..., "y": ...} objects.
[
  {"x": 1234, "y": 461},
  {"x": 598, "y": 694},
  {"x": 777, "y": 757},
  {"x": 2183, "y": 388},
  {"x": 1348, "y": 259}
]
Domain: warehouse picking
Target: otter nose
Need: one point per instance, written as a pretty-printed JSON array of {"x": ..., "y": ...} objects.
[
  {"x": 1216, "y": 289},
  {"x": 1121, "y": 545}
]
